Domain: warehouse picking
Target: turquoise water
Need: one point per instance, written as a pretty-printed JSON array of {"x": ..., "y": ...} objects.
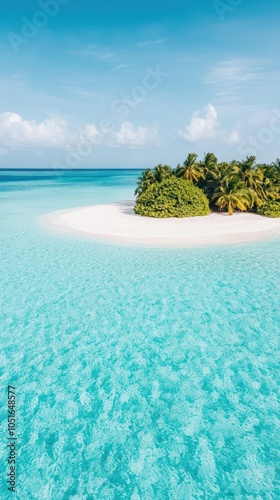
[{"x": 140, "y": 373}]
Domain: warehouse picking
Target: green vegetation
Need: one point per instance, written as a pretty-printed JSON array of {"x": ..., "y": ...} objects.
[
  {"x": 234, "y": 186},
  {"x": 150, "y": 177},
  {"x": 270, "y": 209},
  {"x": 172, "y": 197}
]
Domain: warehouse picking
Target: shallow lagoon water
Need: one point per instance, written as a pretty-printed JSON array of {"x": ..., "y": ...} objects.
[{"x": 141, "y": 373}]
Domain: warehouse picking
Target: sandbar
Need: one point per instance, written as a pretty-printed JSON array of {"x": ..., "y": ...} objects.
[{"x": 117, "y": 222}]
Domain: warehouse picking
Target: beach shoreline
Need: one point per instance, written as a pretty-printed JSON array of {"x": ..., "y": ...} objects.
[{"x": 117, "y": 223}]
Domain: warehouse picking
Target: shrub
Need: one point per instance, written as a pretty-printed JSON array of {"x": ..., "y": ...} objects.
[
  {"x": 270, "y": 209},
  {"x": 172, "y": 197}
]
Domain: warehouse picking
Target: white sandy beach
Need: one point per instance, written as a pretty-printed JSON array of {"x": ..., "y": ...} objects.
[{"x": 118, "y": 222}]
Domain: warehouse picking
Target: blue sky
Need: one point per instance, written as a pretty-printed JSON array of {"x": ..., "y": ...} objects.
[{"x": 117, "y": 84}]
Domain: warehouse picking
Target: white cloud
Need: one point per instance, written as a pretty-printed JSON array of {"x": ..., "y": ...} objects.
[
  {"x": 233, "y": 137},
  {"x": 90, "y": 50},
  {"x": 75, "y": 89},
  {"x": 119, "y": 67},
  {"x": 94, "y": 51},
  {"x": 229, "y": 78},
  {"x": 107, "y": 55},
  {"x": 202, "y": 129},
  {"x": 148, "y": 43},
  {"x": 232, "y": 71},
  {"x": 91, "y": 132},
  {"x": 17, "y": 133},
  {"x": 133, "y": 137}
]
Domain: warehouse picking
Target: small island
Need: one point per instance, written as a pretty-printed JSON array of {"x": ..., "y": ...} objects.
[
  {"x": 197, "y": 203},
  {"x": 198, "y": 187}
]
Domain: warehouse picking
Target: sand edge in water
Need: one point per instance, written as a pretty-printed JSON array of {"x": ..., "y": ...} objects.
[{"x": 117, "y": 222}]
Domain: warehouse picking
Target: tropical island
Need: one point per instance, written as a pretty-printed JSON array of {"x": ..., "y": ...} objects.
[
  {"x": 198, "y": 187},
  {"x": 197, "y": 203}
]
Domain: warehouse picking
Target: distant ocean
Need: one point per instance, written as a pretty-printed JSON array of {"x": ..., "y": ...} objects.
[{"x": 140, "y": 373}]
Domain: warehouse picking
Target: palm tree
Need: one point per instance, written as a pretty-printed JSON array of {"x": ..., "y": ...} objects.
[
  {"x": 190, "y": 170},
  {"x": 276, "y": 164},
  {"x": 271, "y": 189},
  {"x": 232, "y": 195},
  {"x": 216, "y": 176},
  {"x": 162, "y": 172},
  {"x": 251, "y": 175},
  {"x": 247, "y": 164},
  {"x": 208, "y": 165},
  {"x": 210, "y": 161},
  {"x": 147, "y": 179},
  {"x": 270, "y": 181}
]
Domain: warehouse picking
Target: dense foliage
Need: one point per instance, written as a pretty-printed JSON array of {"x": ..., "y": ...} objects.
[
  {"x": 237, "y": 185},
  {"x": 270, "y": 209},
  {"x": 172, "y": 197}
]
